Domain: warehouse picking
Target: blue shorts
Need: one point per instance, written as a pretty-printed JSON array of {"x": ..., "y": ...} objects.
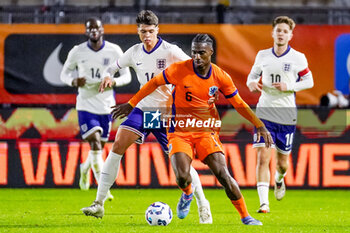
[
  {"x": 134, "y": 123},
  {"x": 90, "y": 122},
  {"x": 282, "y": 135}
]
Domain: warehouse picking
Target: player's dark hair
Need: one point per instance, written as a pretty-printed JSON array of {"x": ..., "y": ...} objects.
[
  {"x": 92, "y": 19},
  {"x": 284, "y": 19},
  {"x": 147, "y": 17},
  {"x": 203, "y": 38}
]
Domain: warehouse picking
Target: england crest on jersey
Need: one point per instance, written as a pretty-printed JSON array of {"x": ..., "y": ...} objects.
[
  {"x": 161, "y": 64},
  {"x": 213, "y": 90},
  {"x": 287, "y": 67},
  {"x": 105, "y": 61}
]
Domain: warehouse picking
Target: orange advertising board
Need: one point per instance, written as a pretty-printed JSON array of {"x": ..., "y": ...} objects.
[{"x": 236, "y": 48}]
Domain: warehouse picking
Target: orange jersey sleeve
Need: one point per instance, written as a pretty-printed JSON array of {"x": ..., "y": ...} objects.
[
  {"x": 226, "y": 85},
  {"x": 147, "y": 89}
]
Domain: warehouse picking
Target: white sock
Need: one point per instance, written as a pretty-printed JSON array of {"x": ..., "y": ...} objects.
[
  {"x": 96, "y": 162},
  {"x": 108, "y": 175},
  {"x": 279, "y": 177},
  {"x": 197, "y": 188},
  {"x": 86, "y": 165},
  {"x": 263, "y": 192}
]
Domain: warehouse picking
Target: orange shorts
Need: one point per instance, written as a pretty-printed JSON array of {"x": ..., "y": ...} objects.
[{"x": 200, "y": 144}]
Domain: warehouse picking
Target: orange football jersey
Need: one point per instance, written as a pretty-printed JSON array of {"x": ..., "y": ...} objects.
[{"x": 191, "y": 94}]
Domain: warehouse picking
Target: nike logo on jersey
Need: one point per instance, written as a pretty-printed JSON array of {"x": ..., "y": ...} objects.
[
  {"x": 52, "y": 68},
  {"x": 187, "y": 86},
  {"x": 138, "y": 63}
]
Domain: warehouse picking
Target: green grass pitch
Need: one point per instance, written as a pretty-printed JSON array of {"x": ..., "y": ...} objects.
[{"x": 58, "y": 210}]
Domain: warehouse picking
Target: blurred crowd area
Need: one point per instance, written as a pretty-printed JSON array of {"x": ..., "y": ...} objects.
[{"x": 332, "y": 12}]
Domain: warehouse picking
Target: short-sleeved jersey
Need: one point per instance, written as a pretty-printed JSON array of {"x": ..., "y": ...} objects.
[
  {"x": 90, "y": 64},
  {"x": 275, "y": 105},
  {"x": 149, "y": 64},
  {"x": 192, "y": 91}
]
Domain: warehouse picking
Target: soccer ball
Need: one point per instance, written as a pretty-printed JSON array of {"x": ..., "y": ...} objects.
[{"x": 158, "y": 213}]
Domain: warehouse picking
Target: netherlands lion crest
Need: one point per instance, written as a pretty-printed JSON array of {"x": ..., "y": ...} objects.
[{"x": 213, "y": 90}]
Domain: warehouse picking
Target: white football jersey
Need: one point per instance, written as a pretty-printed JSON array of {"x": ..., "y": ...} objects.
[
  {"x": 290, "y": 68},
  {"x": 91, "y": 64},
  {"x": 148, "y": 64}
]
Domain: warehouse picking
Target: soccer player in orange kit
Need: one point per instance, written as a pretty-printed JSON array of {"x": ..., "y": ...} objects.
[{"x": 195, "y": 123}]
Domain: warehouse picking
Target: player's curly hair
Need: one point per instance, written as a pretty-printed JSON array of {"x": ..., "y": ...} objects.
[
  {"x": 202, "y": 38},
  {"x": 146, "y": 17},
  {"x": 284, "y": 19}
]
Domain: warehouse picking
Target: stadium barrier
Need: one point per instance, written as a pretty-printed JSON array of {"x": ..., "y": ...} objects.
[{"x": 41, "y": 148}]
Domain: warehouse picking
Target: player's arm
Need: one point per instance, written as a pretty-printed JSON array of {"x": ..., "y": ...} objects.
[
  {"x": 122, "y": 65},
  {"x": 122, "y": 110},
  {"x": 68, "y": 73},
  {"x": 254, "y": 76},
  {"x": 306, "y": 81},
  {"x": 231, "y": 93},
  {"x": 108, "y": 80}
]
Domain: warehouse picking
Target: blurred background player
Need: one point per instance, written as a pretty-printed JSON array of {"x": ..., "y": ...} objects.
[
  {"x": 195, "y": 82},
  {"x": 89, "y": 60},
  {"x": 148, "y": 59},
  {"x": 284, "y": 71}
]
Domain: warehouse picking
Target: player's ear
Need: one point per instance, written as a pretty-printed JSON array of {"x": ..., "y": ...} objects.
[
  {"x": 211, "y": 51},
  {"x": 291, "y": 35}
]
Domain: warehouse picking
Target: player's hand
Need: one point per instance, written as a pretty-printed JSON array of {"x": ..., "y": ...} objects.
[
  {"x": 280, "y": 86},
  {"x": 78, "y": 82},
  {"x": 255, "y": 87},
  {"x": 263, "y": 132},
  {"x": 213, "y": 99},
  {"x": 121, "y": 110},
  {"x": 106, "y": 82}
]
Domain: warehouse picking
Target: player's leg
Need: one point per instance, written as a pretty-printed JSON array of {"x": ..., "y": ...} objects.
[
  {"x": 281, "y": 171},
  {"x": 95, "y": 153},
  {"x": 204, "y": 212},
  {"x": 203, "y": 204},
  {"x": 263, "y": 167},
  {"x": 210, "y": 151},
  {"x": 128, "y": 132},
  {"x": 123, "y": 140},
  {"x": 90, "y": 129},
  {"x": 284, "y": 142},
  {"x": 263, "y": 178},
  {"x": 217, "y": 163},
  {"x": 181, "y": 163},
  {"x": 181, "y": 152}
]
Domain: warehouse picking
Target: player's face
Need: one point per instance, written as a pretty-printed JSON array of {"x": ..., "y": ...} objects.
[
  {"x": 148, "y": 34},
  {"x": 94, "y": 30},
  {"x": 201, "y": 54},
  {"x": 281, "y": 34}
]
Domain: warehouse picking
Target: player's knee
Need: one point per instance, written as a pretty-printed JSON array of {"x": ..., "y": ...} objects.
[
  {"x": 263, "y": 161},
  {"x": 118, "y": 148},
  {"x": 224, "y": 178},
  {"x": 183, "y": 180},
  {"x": 282, "y": 166},
  {"x": 95, "y": 144}
]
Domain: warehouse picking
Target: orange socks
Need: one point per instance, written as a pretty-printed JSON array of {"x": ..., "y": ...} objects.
[
  {"x": 187, "y": 190},
  {"x": 241, "y": 207}
]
